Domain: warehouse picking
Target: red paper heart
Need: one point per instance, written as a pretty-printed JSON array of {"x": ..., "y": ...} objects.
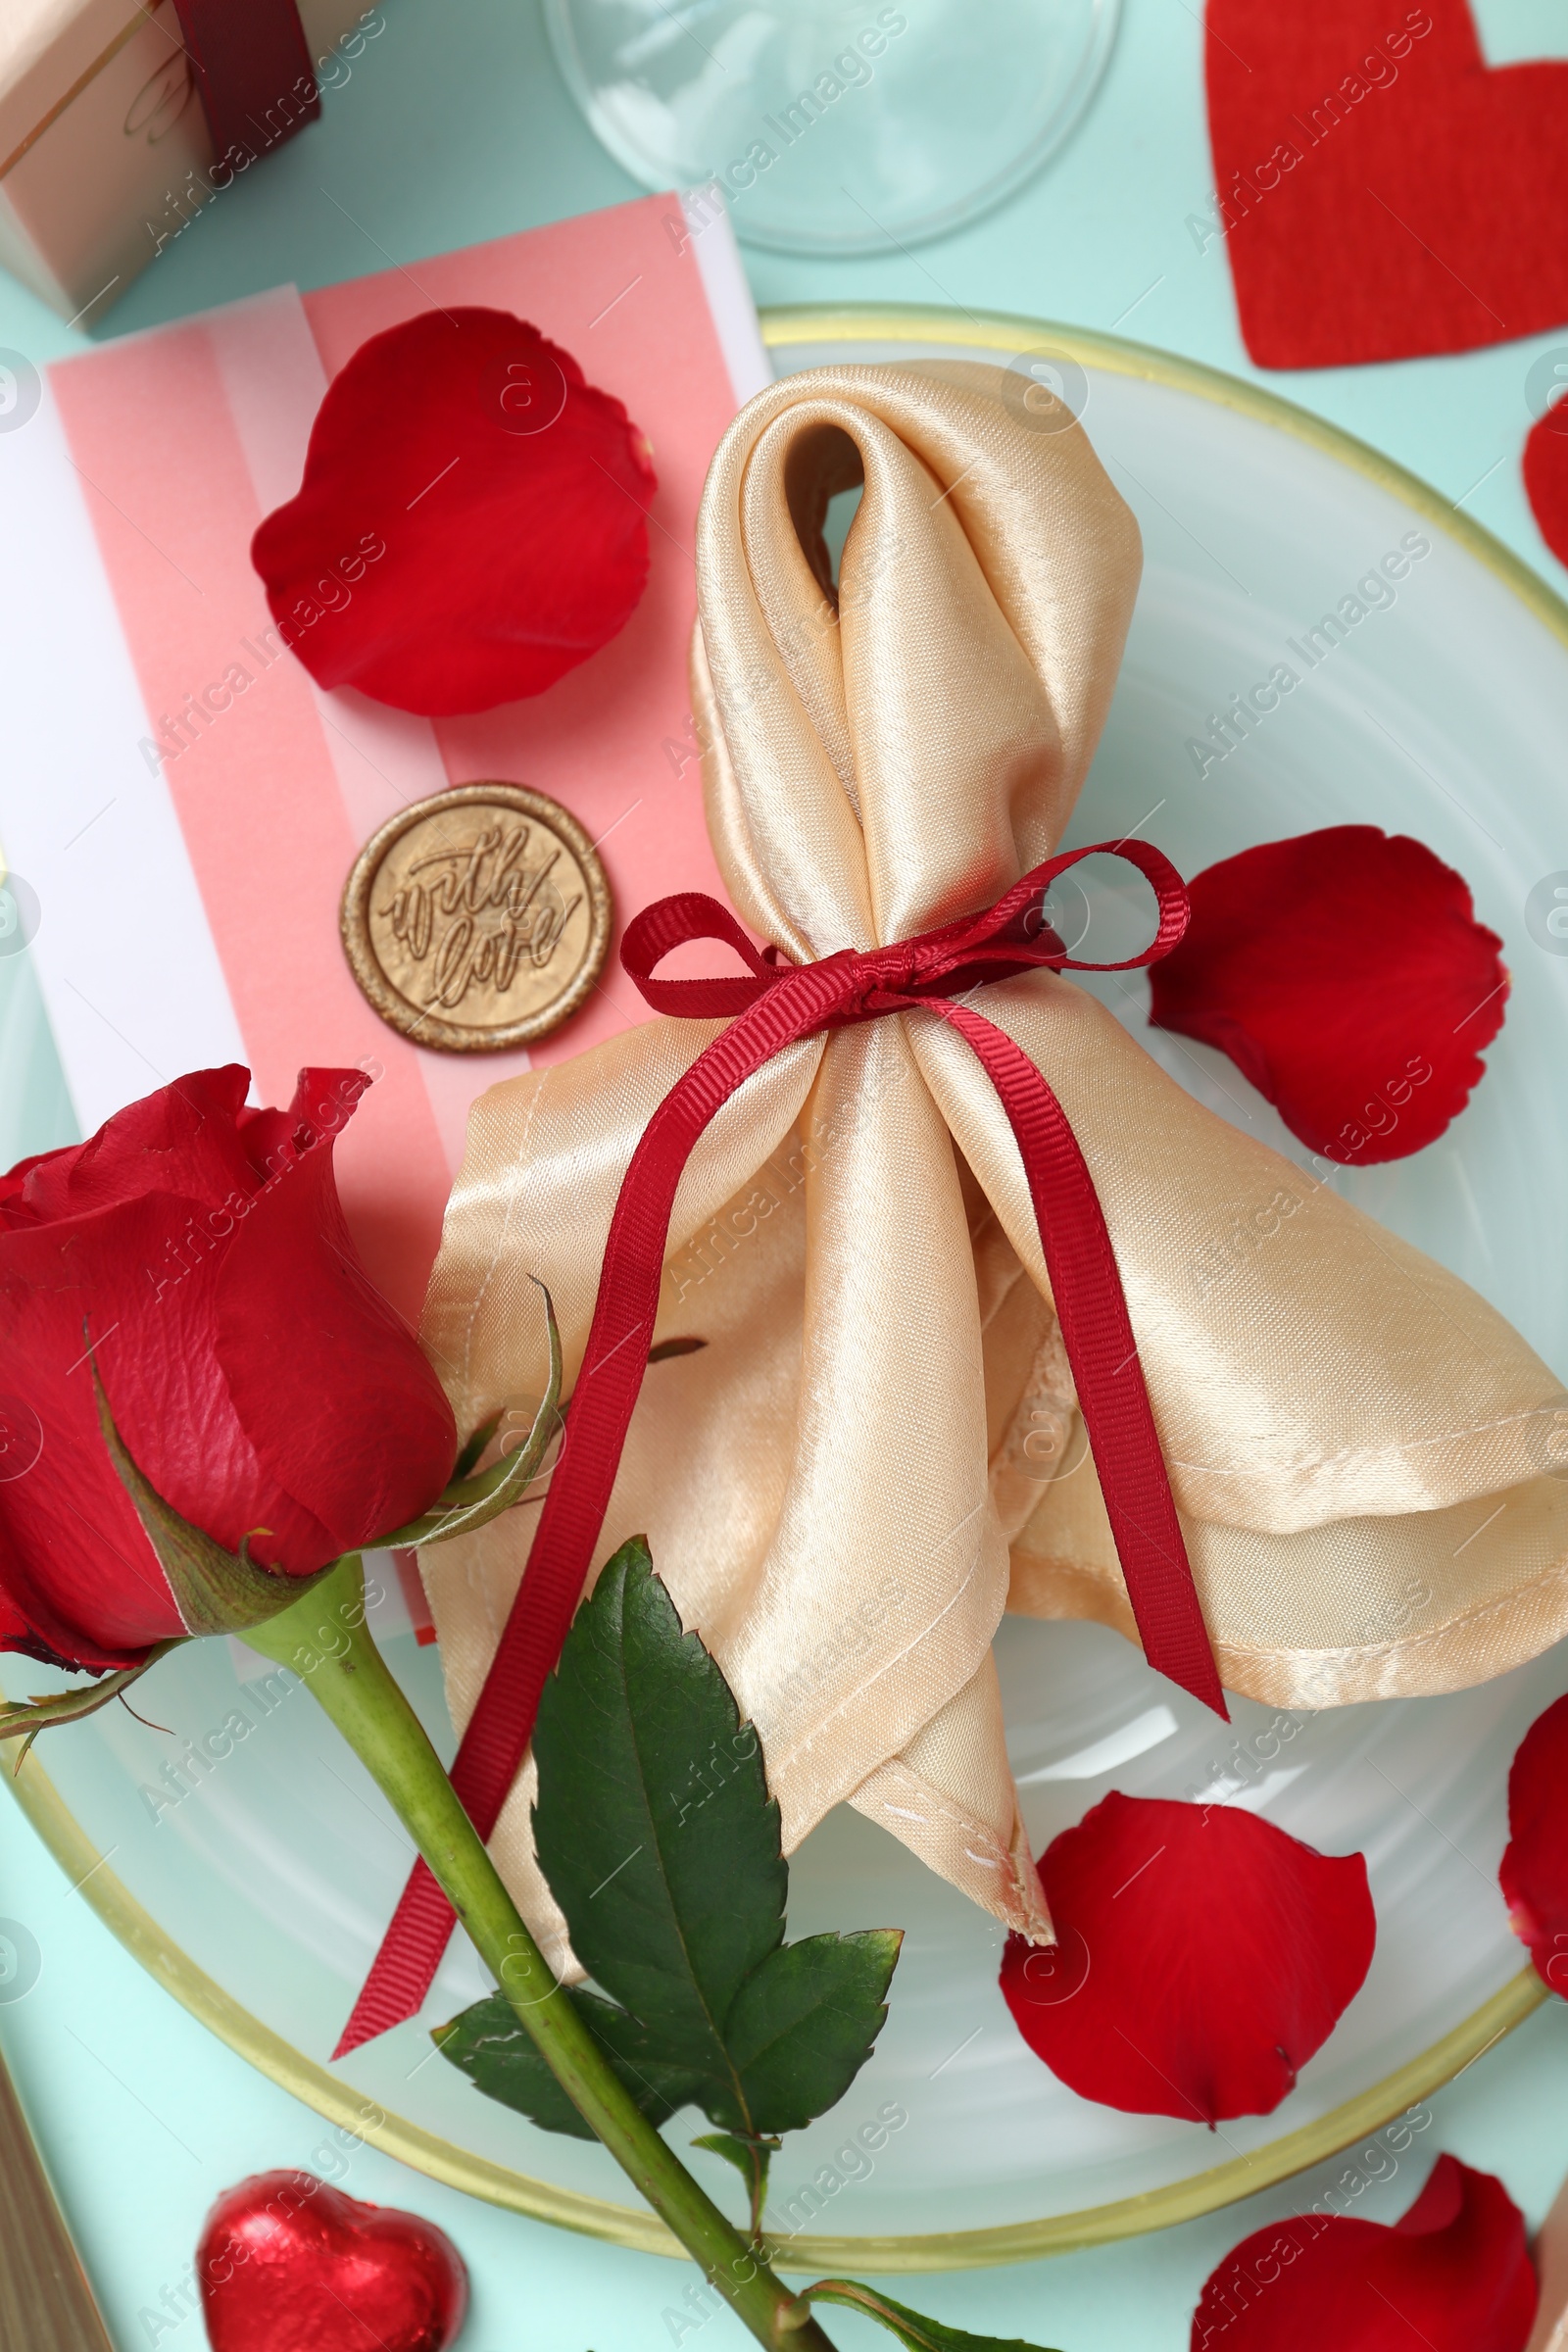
[
  {"x": 1546, "y": 478},
  {"x": 287, "y": 2264},
  {"x": 1381, "y": 191}
]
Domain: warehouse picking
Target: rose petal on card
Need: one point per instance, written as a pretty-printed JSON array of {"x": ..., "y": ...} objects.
[
  {"x": 1345, "y": 974},
  {"x": 472, "y": 522},
  {"x": 1202, "y": 1956}
]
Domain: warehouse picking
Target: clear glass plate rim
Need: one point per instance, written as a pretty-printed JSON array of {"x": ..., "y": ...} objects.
[
  {"x": 808, "y": 326},
  {"x": 1052, "y": 136},
  {"x": 813, "y": 326},
  {"x": 339, "y": 2102}
]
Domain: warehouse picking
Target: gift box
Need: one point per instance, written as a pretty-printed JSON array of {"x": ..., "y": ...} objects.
[{"x": 119, "y": 124}]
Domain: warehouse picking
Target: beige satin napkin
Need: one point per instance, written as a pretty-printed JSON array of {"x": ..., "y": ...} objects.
[{"x": 878, "y": 1451}]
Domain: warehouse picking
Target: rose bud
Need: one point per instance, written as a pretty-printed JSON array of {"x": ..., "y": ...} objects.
[{"x": 207, "y": 1398}]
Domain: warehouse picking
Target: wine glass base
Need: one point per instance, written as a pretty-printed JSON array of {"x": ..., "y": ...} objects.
[{"x": 834, "y": 128}]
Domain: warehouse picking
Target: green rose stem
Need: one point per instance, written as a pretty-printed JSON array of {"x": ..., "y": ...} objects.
[{"x": 324, "y": 1637}]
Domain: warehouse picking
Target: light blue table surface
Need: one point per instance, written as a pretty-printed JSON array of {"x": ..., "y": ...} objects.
[{"x": 455, "y": 127}]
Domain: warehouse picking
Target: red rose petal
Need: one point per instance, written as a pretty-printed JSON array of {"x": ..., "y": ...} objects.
[
  {"x": 471, "y": 523},
  {"x": 379, "y": 1440},
  {"x": 1345, "y": 974},
  {"x": 1545, "y": 471},
  {"x": 184, "y": 1139},
  {"x": 1454, "y": 2276},
  {"x": 1534, "y": 1868},
  {"x": 1203, "y": 1955}
]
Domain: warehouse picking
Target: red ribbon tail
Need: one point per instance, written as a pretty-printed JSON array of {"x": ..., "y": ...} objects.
[
  {"x": 614, "y": 1363},
  {"x": 1097, "y": 1332},
  {"x": 404, "y": 1969},
  {"x": 1085, "y": 1282}
]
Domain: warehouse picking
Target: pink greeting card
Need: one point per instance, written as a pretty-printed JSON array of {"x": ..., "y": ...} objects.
[{"x": 187, "y": 804}]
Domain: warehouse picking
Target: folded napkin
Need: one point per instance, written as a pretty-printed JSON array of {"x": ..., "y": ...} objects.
[{"x": 878, "y": 1448}]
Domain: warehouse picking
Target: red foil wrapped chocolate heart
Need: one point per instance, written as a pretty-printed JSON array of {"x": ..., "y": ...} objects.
[{"x": 288, "y": 2264}]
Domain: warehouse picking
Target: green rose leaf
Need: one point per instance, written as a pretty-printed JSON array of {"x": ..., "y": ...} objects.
[
  {"x": 750, "y": 2159},
  {"x": 803, "y": 2025},
  {"x": 660, "y": 1844},
  {"x": 654, "y": 1825},
  {"x": 503, "y": 2061},
  {"x": 916, "y": 2333}
]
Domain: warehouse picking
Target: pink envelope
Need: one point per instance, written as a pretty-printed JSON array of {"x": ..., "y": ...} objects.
[{"x": 193, "y": 916}]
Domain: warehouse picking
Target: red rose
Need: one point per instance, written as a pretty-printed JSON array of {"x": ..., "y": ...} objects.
[{"x": 195, "y": 1252}]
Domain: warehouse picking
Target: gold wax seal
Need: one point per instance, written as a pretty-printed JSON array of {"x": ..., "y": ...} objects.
[{"x": 477, "y": 920}]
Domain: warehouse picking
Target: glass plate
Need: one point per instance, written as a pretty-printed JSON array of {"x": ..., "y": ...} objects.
[
  {"x": 259, "y": 1894},
  {"x": 826, "y": 127}
]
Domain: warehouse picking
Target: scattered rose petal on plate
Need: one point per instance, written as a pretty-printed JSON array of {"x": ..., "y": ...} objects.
[
  {"x": 1345, "y": 974},
  {"x": 1546, "y": 470},
  {"x": 1454, "y": 2274},
  {"x": 1203, "y": 1955},
  {"x": 1535, "y": 1867},
  {"x": 472, "y": 522}
]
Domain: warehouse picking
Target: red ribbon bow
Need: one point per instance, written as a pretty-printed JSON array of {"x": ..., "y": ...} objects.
[{"x": 774, "y": 1007}]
